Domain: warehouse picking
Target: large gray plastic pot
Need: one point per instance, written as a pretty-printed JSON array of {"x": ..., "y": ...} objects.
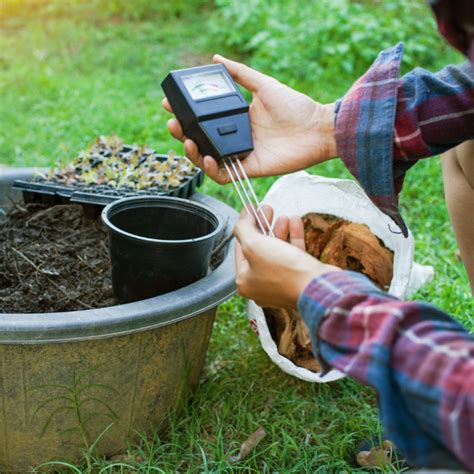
[{"x": 68, "y": 378}]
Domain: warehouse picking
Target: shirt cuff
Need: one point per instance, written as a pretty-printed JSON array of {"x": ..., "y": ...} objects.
[{"x": 322, "y": 294}]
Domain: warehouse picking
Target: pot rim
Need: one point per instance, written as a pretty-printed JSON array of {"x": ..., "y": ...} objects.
[
  {"x": 169, "y": 308},
  {"x": 160, "y": 201}
]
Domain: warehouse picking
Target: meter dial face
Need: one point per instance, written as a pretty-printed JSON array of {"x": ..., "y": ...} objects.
[{"x": 207, "y": 84}]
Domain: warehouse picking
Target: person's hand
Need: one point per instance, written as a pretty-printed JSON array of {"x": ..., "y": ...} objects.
[
  {"x": 290, "y": 130},
  {"x": 271, "y": 271}
]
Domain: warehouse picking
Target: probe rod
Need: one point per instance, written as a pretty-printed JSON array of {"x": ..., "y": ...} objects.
[
  {"x": 241, "y": 185},
  {"x": 247, "y": 204},
  {"x": 259, "y": 206}
]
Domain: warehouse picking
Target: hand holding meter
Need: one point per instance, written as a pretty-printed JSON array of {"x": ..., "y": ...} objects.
[{"x": 214, "y": 114}]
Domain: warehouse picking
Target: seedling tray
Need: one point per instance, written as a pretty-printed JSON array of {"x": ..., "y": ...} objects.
[{"x": 50, "y": 192}]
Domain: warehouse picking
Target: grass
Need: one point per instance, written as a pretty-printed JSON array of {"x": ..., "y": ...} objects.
[
  {"x": 70, "y": 71},
  {"x": 309, "y": 426}
]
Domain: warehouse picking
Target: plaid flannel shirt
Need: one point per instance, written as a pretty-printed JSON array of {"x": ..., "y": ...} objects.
[{"x": 420, "y": 361}]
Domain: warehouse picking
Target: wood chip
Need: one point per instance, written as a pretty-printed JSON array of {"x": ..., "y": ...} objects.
[
  {"x": 338, "y": 242},
  {"x": 249, "y": 445},
  {"x": 349, "y": 246}
]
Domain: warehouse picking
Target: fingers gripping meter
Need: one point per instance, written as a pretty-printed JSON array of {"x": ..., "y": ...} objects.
[{"x": 211, "y": 110}]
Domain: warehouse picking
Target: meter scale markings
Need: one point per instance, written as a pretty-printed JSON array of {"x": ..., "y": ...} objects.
[{"x": 201, "y": 86}]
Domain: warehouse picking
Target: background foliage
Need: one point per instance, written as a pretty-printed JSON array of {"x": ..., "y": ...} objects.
[
  {"x": 327, "y": 42},
  {"x": 71, "y": 70}
]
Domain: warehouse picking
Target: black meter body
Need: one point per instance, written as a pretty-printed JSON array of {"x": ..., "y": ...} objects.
[{"x": 211, "y": 110}]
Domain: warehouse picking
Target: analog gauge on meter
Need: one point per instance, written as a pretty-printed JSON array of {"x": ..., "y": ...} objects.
[{"x": 204, "y": 85}]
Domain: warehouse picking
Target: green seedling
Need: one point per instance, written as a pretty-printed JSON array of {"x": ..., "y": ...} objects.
[{"x": 108, "y": 161}]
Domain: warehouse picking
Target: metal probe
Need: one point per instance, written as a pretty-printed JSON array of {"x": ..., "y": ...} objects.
[{"x": 246, "y": 193}]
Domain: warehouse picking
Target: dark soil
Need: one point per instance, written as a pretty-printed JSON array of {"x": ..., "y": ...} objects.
[
  {"x": 53, "y": 259},
  {"x": 57, "y": 259}
]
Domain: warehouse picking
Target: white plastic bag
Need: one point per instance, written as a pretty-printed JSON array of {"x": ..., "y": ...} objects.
[{"x": 301, "y": 193}]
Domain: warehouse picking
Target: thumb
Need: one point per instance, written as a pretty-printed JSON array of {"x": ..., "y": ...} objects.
[
  {"x": 246, "y": 233},
  {"x": 297, "y": 232},
  {"x": 244, "y": 75}
]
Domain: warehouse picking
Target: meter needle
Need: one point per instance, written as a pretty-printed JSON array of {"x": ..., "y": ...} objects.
[{"x": 243, "y": 186}]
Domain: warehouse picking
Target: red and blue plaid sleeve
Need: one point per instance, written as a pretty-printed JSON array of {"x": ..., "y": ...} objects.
[
  {"x": 384, "y": 124},
  {"x": 420, "y": 361},
  {"x": 434, "y": 111}
]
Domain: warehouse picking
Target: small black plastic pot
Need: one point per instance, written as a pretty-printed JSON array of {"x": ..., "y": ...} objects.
[{"x": 158, "y": 244}]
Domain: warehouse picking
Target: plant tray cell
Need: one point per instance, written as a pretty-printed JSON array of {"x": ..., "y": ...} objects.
[{"x": 50, "y": 192}]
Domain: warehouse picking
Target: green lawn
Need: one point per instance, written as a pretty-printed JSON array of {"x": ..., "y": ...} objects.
[{"x": 70, "y": 73}]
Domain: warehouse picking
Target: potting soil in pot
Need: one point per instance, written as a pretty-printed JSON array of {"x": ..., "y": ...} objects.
[
  {"x": 53, "y": 259},
  {"x": 341, "y": 243},
  {"x": 56, "y": 259}
]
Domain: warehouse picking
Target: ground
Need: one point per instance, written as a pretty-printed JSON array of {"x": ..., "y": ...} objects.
[{"x": 69, "y": 75}]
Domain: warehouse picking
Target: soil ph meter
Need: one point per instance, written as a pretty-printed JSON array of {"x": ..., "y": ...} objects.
[{"x": 214, "y": 114}]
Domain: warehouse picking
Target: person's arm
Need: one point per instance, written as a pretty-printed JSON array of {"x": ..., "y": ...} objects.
[
  {"x": 420, "y": 361},
  {"x": 434, "y": 112},
  {"x": 379, "y": 128},
  {"x": 384, "y": 124},
  {"x": 418, "y": 358}
]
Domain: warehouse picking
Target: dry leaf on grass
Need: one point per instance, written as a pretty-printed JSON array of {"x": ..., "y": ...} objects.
[
  {"x": 249, "y": 445},
  {"x": 338, "y": 242},
  {"x": 379, "y": 456}
]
